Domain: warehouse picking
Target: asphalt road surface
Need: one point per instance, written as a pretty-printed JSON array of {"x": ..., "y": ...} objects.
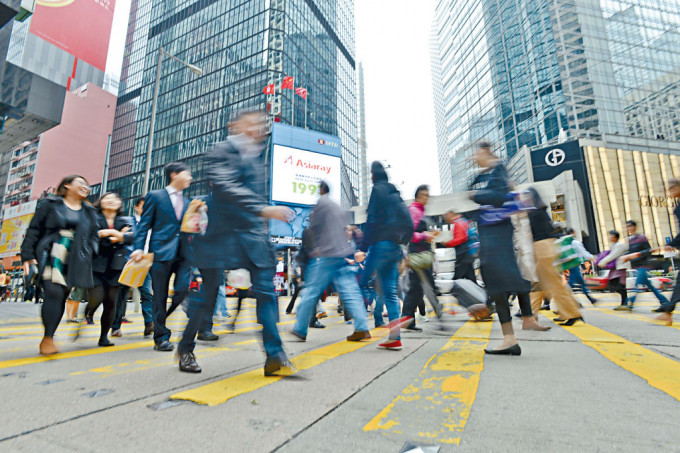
[{"x": 612, "y": 384}]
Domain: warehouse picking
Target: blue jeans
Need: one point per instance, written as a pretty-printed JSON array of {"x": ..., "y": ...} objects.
[
  {"x": 221, "y": 305},
  {"x": 146, "y": 298},
  {"x": 263, "y": 289},
  {"x": 320, "y": 273},
  {"x": 576, "y": 278},
  {"x": 642, "y": 281},
  {"x": 382, "y": 259}
]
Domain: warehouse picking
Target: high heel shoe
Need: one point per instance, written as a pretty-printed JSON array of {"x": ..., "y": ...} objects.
[
  {"x": 572, "y": 321},
  {"x": 512, "y": 350}
]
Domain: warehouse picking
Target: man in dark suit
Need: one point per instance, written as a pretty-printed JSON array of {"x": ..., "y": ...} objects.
[
  {"x": 163, "y": 212},
  {"x": 237, "y": 236}
]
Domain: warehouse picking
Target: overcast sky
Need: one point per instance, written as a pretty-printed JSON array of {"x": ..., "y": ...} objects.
[{"x": 393, "y": 43}]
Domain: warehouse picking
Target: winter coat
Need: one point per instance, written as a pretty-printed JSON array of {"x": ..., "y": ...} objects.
[{"x": 43, "y": 231}]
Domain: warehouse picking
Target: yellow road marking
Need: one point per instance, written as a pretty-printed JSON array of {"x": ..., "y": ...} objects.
[
  {"x": 660, "y": 372},
  {"x": 95, "y": 351},
  {"x": 637, "y": 317},
  {"x": 222, "y": 391},
  {"x": 447, "y": 384}
]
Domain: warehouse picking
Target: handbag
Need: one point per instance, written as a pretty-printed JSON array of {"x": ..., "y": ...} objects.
[
  {"x": 421, "y": 260},
  {"x": 195, "y": 218}
]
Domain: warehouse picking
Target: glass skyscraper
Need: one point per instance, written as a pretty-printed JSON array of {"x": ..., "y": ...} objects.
[
  {"x": 241, "y": 47},
  {"x": 525, "y": 73}
]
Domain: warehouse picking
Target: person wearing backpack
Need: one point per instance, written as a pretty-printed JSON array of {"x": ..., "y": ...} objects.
[
  {"x": 465, "y": 252},
  {"x": 388, "y": 225}
]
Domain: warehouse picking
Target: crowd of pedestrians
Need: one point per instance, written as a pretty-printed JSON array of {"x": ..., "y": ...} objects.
[{"x": 81, "y": 249}]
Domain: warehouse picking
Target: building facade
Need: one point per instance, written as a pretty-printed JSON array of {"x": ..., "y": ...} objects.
[
  {"x": 240, "y": 47},
  {"x": 529, "y": 73}
]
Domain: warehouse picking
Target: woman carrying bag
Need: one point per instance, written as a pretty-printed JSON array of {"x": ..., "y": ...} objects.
[
  {"x": 61, "y": 240},
  {"x": 109, "y": 262}
]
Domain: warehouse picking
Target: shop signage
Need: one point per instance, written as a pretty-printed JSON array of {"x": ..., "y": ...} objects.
[{"x": 647, "y": 201}]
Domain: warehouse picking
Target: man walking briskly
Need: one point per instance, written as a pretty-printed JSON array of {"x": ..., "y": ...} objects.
[
  {"x": 237, "y": 237},
  {"x": 162, "y": 215},
  {"x": 330, "y": 263},
  {"x": 638, "y": 243}
]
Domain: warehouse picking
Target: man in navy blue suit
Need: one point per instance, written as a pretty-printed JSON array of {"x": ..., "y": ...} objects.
[
  {"x": 163, "y": 212},
  {"x": 237, "y": 237}
]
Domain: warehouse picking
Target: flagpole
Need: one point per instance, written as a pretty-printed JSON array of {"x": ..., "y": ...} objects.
[
  {"x": 306, "y": 110},
  {"x": 292, "y": 121}
]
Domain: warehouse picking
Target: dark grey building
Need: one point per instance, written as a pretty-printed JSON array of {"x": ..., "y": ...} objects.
[{"x": 241, "y": 47}]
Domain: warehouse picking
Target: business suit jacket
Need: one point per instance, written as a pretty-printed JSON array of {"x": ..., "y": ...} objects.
[
  {"x": 236, "y": 234},
  {"x": 112, "y": 255},
  {"x": 167, "y": 243}
]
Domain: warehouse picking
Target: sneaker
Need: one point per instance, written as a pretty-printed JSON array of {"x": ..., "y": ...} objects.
[
  {"x": 89, "y": 320},
  {"x": 623, "y": 308},
  {"x": 116, "y": 333},
  {"x": 126, "y": 321},
  {"x": 659, "y": 310},
  {"x": 321, "y": 315},
  {"x": 422, "y": 318},
  {"x": 392, "y": 345},
  {"x": 349, "y": 322}
]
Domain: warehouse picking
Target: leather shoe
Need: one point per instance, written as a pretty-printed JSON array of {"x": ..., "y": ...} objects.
[
  {"x": 148, "y": 329},
  {"x": 187, "y": 362},
  {"x": 105, "y": 342},
  {"x": 413, "y": 328},
  {"x": 164, "y": 345},
  {"x": 512, "y": 350},
  {"x": 359, "y": 335},
  {"x": 277, "y": 365},
  {"x": 207, "y": 336},
  {"x": 317, "y": 325}
]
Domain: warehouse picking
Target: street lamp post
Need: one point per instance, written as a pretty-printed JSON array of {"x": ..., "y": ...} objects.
[{"x": 196, "y": 70}]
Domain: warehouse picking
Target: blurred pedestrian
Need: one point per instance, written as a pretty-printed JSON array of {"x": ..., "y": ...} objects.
[
  {"x": 61, "y": 240},
  {"x": 667, "y": 309},
  {"x": 237, "y": 236},
  {"x": 575, "y": 273},
  {"x": 329, "y": 263},
  {"x": 614, "y": 261},
  {"x": 498, "y": 263}
]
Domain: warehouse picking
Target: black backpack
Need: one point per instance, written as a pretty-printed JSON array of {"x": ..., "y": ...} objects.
[{"x": 399, "y": 220}]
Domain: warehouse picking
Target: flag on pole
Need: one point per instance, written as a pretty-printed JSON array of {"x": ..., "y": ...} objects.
[
  {"x": 302, "y": 92},
  {"x": 288, "y": 83},
  {"x": 269, "y": 89}
]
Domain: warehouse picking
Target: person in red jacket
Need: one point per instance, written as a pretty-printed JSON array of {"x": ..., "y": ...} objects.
[{"x": 464, "y": 260}]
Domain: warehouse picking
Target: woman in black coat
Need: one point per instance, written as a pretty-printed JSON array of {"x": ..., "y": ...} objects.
[
  {"x": 61, "y": 240},
  {"x": 498, "y": 263},
  {"x": 110, "y": 260}
]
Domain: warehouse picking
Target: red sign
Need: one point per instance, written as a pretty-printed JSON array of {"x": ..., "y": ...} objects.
[{"x": 80, "y": 27}]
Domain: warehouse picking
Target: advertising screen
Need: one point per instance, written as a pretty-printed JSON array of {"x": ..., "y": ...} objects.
[
  {"x": 296, "y": 175},
  {"x": 81, "y": 28},
  {"x": 14, "y": 225}
]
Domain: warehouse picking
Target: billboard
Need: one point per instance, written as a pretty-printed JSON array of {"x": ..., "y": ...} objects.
[
  {"x": 300, "y": 160},
  {"x": 14, "y": 225},
  {"x": 81, "y": 28},
  {"x": 296, "y": 175}
]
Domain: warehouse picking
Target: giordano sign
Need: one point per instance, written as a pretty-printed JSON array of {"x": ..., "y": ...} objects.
[{"x": 647, "y": 201}]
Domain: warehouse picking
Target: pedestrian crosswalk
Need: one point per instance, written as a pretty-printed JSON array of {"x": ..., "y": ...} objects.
[{"x": 445, "y": 383}]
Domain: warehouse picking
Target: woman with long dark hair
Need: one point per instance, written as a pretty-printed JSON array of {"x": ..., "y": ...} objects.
[
  {"x": 110, "y": 260},
  {"x": 61, "y": 240}
]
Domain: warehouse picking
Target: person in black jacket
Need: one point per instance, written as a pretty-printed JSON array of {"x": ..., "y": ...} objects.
[
  {"x": 61, "y": 241},
  {"x": 237, "y": 237},
  {"x": 667, "y": 309},
  {"x": 638, "y": 243},
  {"x": 498, "y": 263},
  {"x": 384, "y": 253},
  {"x": 109, "y": 262}
]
